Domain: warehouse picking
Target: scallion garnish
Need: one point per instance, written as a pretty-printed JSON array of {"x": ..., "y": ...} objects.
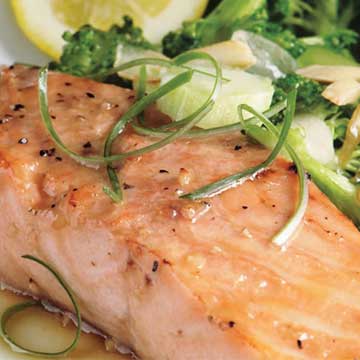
[
  {"x": 250, "y": 173},
  {"x": 136, "y": 109},
  {"x": 282, "y": 237},
  {"x": 174, "y": 83},
  {"x": 190, "y": 121},
  {"x": 292, "y": 224},
  {"x": 153, "y": 61},
  {"x": 11, "y": 311},
  {"x": 198, "y": 133}
]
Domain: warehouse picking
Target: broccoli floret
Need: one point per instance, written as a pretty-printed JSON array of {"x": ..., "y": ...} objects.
[
  {"x": 295, "y": 25},
  {"x": 342, "y": 39},
  {"x": 90, "y": 51},
  {"x": 217, "y": 26},
  {"x": 318, "y": 17},
  {"x": 308, "y": 91},
  {"x": 280, "y": 35},
  {"x": 319, "y": 22},
  {"x": 309, "y": 98}
]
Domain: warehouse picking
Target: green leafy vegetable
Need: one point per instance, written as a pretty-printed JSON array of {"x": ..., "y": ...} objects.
[
  {"x": 301, "y": 27},
  {"x": 217, "y": 26},
  {"x": 11, "y": 311},
  {"x": 322, "y": 22},
  {"x": 321, "y": 17}
]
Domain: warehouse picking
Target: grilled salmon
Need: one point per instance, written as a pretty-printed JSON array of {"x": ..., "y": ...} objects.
[{"x": 172, "y": 279}]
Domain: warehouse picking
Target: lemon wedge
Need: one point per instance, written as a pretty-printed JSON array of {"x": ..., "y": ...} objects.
[{"x": 44, "y": 21}]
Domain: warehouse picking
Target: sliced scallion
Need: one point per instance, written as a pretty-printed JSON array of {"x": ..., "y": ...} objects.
[
  {"x": 199, "y": 133},
  {"x": 250, "y": 173},
  {"x": 291, "y": 226},
  {"x": 177, "y": 81},
  {"x": 116, "y": 192},
  {"x": 13, "y": 310}
]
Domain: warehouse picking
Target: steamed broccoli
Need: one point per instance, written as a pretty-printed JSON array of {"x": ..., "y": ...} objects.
[
  {"x": 318, "y": 22},
  {"x": 309, "y": 97},
  {"x": 217, "y": 26},
  {"x": 308, "y": 91},
  {"x": 260, "y": 24},
  {"x": 319, "y": 17},
  {"x": 90, "y": 51},
  {"x": 315, "y": 29}
]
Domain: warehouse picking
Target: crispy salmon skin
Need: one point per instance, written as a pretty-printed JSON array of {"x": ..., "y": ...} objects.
[{"x": 170, "y": 278}]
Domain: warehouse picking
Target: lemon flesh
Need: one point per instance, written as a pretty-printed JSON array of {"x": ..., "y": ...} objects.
[{"x": 44, "y": 21}]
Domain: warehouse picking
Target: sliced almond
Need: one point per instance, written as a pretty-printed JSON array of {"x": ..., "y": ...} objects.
[
  {"x": 330, "y": 73},
  {"x": 342, "y": 92},
  {"x": 232, "y": 53}
]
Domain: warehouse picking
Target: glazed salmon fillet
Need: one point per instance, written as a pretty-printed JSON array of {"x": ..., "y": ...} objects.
[{"x": 172, "y": 279}]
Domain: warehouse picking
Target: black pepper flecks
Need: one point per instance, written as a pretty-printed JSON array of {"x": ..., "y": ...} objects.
[
  {"x": 155, "y": 266},
  {"x": 58, "y": 158},
  {"x": 17, "y": 107},
  {"x": 237, "y": 147},
  {"x": 293, "y": 168},
  {"x": 23, "y": 141},
  {"x": 90, "y": 95},
  {"x": 299, "y": 344},
  {"x": 53, "y": 117},
  {"x": 68, "y": 83},
  {"x": 87, "y": 145},
  {"x": 47, "y": 152},
  {"x": 245, "y": 207},
  {"x": 127, "y": 186},
  {"x": 163, "y": 171},
  {"x": 231, "y": 324}
]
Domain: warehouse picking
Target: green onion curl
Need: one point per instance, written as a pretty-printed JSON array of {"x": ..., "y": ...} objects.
[{"x": 13, "y": 310}]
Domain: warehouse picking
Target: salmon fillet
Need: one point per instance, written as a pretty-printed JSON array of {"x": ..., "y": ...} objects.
[{"x": 170, "y": 278}]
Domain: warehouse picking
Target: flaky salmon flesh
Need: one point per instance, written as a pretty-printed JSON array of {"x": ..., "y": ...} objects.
[{"x": 170, "y": 278}]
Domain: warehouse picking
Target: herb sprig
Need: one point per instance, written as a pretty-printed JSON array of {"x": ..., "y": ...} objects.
[
  {"x": 135, "y": 110},
  {"x": 13, "y": 310}
]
